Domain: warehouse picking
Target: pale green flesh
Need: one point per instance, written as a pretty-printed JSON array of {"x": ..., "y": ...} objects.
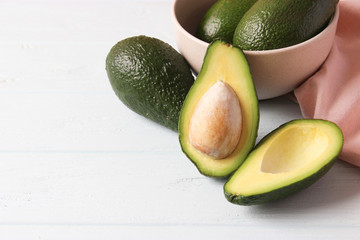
[{"x": 290, "y": 155}]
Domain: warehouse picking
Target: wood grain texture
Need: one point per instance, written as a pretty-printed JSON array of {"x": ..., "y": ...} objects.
[{"x": 76, "y": 164}]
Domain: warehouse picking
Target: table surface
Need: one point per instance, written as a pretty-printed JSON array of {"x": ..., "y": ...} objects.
[{"x": 75, "y": 163}]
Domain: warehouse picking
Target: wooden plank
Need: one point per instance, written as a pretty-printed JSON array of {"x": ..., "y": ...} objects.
[{"x": 76, "y": 163}]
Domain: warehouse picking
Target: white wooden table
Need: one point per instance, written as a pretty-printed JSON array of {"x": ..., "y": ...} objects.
[{"x": 76, "y": 164}]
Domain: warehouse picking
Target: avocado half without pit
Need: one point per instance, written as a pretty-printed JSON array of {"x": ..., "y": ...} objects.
[
  {"x": 286, "y": 161},
  {"x": 219, "y": 118}
]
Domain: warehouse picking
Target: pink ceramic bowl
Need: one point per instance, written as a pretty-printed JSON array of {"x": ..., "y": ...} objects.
[{"x": 275, "y": 72}]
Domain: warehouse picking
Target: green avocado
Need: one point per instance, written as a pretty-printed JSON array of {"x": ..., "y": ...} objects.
[
  {"x": 286, "y": 161},
  {"x": 221, "y": 19},
  {"x": 270, "y": 24},
  {"x": 150, "y": 77},
  {"x": 220, "y": 116}
]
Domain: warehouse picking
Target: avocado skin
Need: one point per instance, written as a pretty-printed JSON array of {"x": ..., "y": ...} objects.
[
  {"x": 273, "y": 24},
  {"x": 287, "y": 190},
  {"x": 221, "y": 19},
  {"x": 281, "y": 192},
  {"x": 149, "y": 77}
]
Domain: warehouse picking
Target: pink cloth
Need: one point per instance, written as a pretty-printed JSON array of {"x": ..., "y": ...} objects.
[{"x": 333, "y": 92}]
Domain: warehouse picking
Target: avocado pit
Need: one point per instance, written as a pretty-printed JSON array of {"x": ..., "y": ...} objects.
[{"x": 215, "y": 126}]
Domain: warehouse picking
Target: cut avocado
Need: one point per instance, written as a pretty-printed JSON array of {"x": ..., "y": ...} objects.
[
  {"x": 220, "y": 116},
  {"x": 286, "y": 161},
  {"x": 270, "y": 24},
  {"x": 150, "y": 77},
  {"x": 221, "y": 19}
]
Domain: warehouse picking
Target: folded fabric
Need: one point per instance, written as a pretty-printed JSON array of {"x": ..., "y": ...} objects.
[{"x": 333, "y": 92}]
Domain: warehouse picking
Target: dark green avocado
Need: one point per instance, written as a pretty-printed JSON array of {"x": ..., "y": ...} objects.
[
  {"x": 221, "y": 19},
  {"x": 271, "y": 24},
  {"x": 150, "y": 77},
  {"x": 220, "y": 116},
  {"x": 287, "y": 160}
]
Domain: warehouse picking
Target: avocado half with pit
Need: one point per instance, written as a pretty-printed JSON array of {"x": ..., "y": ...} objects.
[
  {"x": 286, "y": 161},
  {"x": 220, "y": 116}
]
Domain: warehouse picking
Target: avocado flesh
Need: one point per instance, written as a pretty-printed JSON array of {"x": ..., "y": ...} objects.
[
  {"x": 149, "y": 77},
  {"x": 286, "y": 161},
  {"x": 272, "y": 24},
  {"x": 225, "y": 63},
  {"x": 221, "y": 19}
]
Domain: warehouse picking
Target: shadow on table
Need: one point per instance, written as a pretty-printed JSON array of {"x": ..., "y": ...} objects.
[{"x": 339, "y": 185}]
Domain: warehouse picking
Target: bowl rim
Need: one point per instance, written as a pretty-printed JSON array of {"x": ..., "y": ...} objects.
[
  {"x": 181, "y": 28},
  {"x": 332, "y": 22}
]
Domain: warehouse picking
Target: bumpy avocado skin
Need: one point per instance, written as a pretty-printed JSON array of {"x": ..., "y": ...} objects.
[
  {"x": 149, "y": 77},
  {"x": 221, "y": 19},
  {"x": 290, "y": 189},
  {"x": 273, "y": 24}
]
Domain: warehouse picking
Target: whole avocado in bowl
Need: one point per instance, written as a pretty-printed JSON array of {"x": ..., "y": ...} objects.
[{"x": 275, "y": 72}]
